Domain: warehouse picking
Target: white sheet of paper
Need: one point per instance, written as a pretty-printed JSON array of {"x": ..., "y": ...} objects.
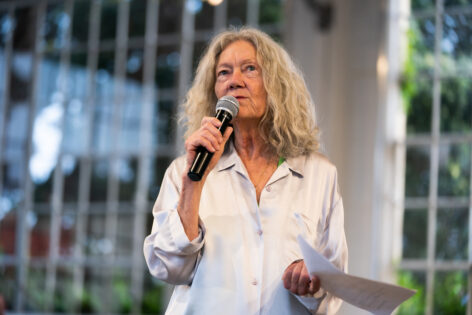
[{"x": 376, "y": 297}]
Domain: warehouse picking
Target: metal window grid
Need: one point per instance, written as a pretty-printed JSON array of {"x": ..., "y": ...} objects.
[
  {"x": 139, "y": 208},
  {"x": 434, "y": 140}
]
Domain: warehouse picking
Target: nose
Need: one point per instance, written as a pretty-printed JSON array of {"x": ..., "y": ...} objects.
[{"x": 236, "y": 80}]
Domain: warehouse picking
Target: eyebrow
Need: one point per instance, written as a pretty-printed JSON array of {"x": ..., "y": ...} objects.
[{"x": 245, "y": 61}]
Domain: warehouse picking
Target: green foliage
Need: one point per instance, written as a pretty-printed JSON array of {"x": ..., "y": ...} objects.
[
  {"x": 416, "y": 304},
  {"x": 450, "y": 293},
  {"x": 152, "y": 299},
  {"x": 407, "y": 80},
  {"x": 454, "y": 170},
  {"x": 271, "y": 14},
  {"x": 416, "y": 83},
  {"x": 456, "y": 105},
  {"x": 414, "y": 233},
  {"x": 122, "y": 295}
]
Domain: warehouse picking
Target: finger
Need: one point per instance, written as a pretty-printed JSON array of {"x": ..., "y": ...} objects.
[
  {"x": 315, "y": 285},
  {"x": 213, "y": 130},
  {"x": 287, "y": 277},
  {"x": 196, "y": 141},
  {"x": 212, "y": 124},
  {"x": 295, "y": 277},
  {"x": 215, "y": 142},
  {"x": 304, "y": 281},
  {"x": 211, "y": 120}
]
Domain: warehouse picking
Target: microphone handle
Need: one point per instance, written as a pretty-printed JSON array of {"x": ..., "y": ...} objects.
[{"x": 203, "y": 157}]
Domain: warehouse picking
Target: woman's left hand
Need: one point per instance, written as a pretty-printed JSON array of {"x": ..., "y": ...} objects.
[{"x": 297, "y": 279}]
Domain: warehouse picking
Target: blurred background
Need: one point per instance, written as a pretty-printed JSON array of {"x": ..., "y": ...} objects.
[{"x": 89, "y": 94}]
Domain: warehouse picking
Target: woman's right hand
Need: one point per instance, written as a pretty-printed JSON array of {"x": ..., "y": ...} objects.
[{"x": 209, "y": 137}]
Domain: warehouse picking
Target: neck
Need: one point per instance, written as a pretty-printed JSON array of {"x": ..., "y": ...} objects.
[{"x": 249, "y": 143}]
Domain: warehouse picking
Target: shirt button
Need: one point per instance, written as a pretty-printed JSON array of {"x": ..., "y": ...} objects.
[
  {"x": 268, "y": 188},
  {"x": 254, "y": 282},
  {"x": 259, "y": 232}
]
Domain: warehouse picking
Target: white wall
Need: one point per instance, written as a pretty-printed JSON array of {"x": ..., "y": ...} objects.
[{"x": 349, "y": 89}]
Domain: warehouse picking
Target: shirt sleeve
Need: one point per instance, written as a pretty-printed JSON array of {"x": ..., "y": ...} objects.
[{"x": 169, "y": 254}]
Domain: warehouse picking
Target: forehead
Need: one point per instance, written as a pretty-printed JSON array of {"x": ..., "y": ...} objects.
[{"x": 240, "y": 49}]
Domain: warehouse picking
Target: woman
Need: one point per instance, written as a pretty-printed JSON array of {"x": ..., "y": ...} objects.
[{"x": 228, "y": 242}]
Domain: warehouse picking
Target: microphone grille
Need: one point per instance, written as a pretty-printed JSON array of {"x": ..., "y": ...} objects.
[{"x": 229, "y": 104}]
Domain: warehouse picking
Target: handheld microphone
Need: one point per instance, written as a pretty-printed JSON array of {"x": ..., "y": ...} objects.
[{"x": 227, "y": 107}]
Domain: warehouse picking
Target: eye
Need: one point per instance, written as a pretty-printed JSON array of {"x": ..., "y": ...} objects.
[
  {"x": 251, "y": 68},
  {"x": 222, "y": 73}
]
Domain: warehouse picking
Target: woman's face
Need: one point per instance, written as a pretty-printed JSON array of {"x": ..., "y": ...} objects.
[{"x": 238, "y": 74}]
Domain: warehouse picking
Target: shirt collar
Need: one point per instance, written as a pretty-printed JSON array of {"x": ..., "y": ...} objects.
[
  {"x": 296, "y": 164},
  {"x": 229, "y": 157}
]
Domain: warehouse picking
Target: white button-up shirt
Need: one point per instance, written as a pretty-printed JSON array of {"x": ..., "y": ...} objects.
[{"x": 236, "y": 264}]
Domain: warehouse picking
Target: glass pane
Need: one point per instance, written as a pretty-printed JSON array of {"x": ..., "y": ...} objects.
[
  {"x": 456, "y": 44},
  {"x": 24, "y": 28},
  {"x": 198, "y": 51},
  {"x": 56, "y": 25},
  {"x": 153, "y": 295},
  {"x": 450, "y": 292},
  {"x": 49, "y": 95},
  {"x": 98, "y": 185},
  {"x": 450, "y": 3},
  {"x": 96, "y": 243},
  {"x": 104, "y": 106},
  {"x": 159, "y": 166},
  {"x": 237, "y": 12},
  {"x": 422, "y": 39},
  {"x": 7, "y": 26},
  {"x": 170, "y": 13},
  {"x": 108, "y": 19},
  {"x": 35, "y": 289},
  {"x": 418, "y": 95},
  {"x": 128, "y": 173},
  {"x": 98, "y": 289},
  {"x": 204, "y": 17},
  {"x": 132, "y": 106},
  {"x": 417, "y": 171},
  {"x": 12, "y": 194},
  {"x": 66, "y": 299},
  {"x": 415, "y": 230},
  {"x": 71, "y": 172},
  {"x": 452, "y": 234},
  {"x": 8, "y": 223},
  {"x": 422, "y": 4},
  {"x": 454, "y": 170},
  {"x": 80, "y": 22},
  {"x": 124, "y": 234},
  {"x": 134, "y": 66},
  {"x": 168, "y": 62},
  {"x": 68, "y": 227},
  {"x": 8, "y": 286},
  {"x": 270, "y": 12},
  {"x": 121, "y": 292},
  {"x": 415, "y": 280},
  {"x": 75, "y": 120},
  {"x": 39, "y": 241},
  {"x": 94, "y": 291},
  {"x": 137, "y": 21},
  {"x": 163, "y": 123},
  {"x": 456, "y": 105},
  {"x": 43, "y": 189}
]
